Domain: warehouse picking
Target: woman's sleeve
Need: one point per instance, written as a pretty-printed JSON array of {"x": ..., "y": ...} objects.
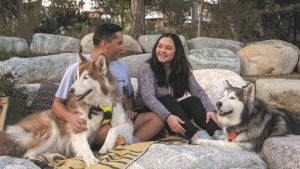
[
  {"x": 146, "y": 81},
  {"x": 196, "y": 90}
]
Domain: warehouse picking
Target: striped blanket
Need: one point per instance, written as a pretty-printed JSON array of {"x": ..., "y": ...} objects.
[{"x": 119, "y": 157}]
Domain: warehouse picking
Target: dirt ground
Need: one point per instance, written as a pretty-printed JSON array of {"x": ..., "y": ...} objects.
[{"x": 294, "y": 75}]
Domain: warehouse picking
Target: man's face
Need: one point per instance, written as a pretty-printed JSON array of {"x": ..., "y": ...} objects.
[{"x": 115, "y": 47}]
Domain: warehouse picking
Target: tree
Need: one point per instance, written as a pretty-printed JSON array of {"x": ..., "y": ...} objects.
[
  {"x": 201, "y": 5},
  {"x": 138, "y": 22}
]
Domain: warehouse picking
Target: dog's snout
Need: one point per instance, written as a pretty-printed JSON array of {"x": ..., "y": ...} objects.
[
  {"x": 72, "y": 90},
  {"x": 219, "y": 104}
]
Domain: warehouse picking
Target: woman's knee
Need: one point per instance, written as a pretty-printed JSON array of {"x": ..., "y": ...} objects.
[{"x": 156, "y": 119}]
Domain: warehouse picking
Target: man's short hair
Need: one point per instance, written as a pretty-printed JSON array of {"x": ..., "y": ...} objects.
[{"x": 105, "y": 31}]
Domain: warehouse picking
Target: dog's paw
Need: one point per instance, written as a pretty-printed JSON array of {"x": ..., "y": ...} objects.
[
  {"x": 105, "y": 148},
  {"x": 90, "y": 160},
  {"x": 199, "y": 141}
]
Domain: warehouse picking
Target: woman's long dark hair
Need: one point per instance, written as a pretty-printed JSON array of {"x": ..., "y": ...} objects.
[{"x": 180, "y": 67}]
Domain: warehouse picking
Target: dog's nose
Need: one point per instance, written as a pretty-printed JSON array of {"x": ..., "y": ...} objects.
[
  {"x": 219, "y": 104},
  {"x": 72, "y": 90}
]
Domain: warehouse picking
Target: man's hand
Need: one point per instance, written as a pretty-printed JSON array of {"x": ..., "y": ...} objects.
[
  {"x": 78, "y": 125},
  {"x": 175, "y": 124},
  {"x": 211, "y": 115},
  {"x": 131, "y": 114}
]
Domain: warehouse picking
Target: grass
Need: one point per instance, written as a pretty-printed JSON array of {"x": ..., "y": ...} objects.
[
  {"x": 294, "y": 75},
  {"x": 24, "y": 54}
]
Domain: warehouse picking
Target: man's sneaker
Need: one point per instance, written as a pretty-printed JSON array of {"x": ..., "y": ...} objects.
[
  {"x": 219, "y": 135},
  {"x": 200, "y": 135}
]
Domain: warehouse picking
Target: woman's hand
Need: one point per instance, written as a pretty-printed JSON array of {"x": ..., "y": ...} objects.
[
  {"x": 131, "y": 114},
  {"x": 174, "y": 123},
  {"x": 211, "y": 115},
  {"x": 78, "y": 125}
]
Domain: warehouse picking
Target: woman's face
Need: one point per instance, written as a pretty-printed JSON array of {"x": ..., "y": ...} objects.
[{"x": 165, "y": 50}]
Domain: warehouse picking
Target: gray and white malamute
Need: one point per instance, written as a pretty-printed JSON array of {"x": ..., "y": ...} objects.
[
  {"x": 41, "y": 133},
  {"x": 247, "y": 121}
]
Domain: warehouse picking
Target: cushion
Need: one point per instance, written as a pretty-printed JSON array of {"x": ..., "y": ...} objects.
[{"x": 44, "y": 98}]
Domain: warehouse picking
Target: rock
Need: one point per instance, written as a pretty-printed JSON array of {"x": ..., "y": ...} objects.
[
  {"x": 147, "y": 42},
  {"x": 195, "y": 156},
  {"x": 282, "y": 152},
  {"x": 38, "y": 69},
  {"x": 13, "y": 44},
  {"x": 7, "y": 162},
  {"x": 265, "y": 59},
  {"x": 214, "y": 58},
  {"x": 213, "y": 81},
  {"x": 87, "y": 43},
  {"x": 134, "y": 62},
  {"x": 132, "y": 47},
  {"x": 280, "y": 93},
  {"x": 32, "y": 92},
  {"x": 53, "y": 44},
  {"x": 276, "y": 41},
  {"x": 205, "y": 42}
]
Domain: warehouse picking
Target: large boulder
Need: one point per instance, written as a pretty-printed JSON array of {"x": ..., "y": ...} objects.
[
  {"x": 13, "y": 44},
  {"x": 280, "y": 93},
  {"x": 38, "y": 69},
  {"x": 132, "y": 47},
  {"x": 196, "y": 156},
  {"x": 276, "y": 41},
  {"x": 205, "y": 42},
  {"x": 134, "y": 62},
  {"x": 282, "y": 152},
  {"x": 7, "y": 162},
  {"x": 147, "y": 42},
  {"x": 213, "y": 81},
  {"x": 53, "y": 44},
  {"x": 87, "y": 43},
  {"x": 214, "y": 58},
  {"x": 266, "y": 59}
]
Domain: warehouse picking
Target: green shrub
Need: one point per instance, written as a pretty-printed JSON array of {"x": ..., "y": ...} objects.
[{"x": 10, "y": 85}]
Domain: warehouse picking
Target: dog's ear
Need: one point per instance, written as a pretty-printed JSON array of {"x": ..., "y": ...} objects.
[
  {"x": 102, "y": 64},
  {"x": 80, "y": 57},
  {"x": 249, "y": 90},
  {"x": 228, "y": 84}
]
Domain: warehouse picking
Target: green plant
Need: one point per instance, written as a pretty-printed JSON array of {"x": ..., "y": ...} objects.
[{"x": 10, "y": 85}]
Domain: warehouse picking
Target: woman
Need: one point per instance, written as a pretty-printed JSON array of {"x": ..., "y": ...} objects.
[{"x": 166, "y": 77}]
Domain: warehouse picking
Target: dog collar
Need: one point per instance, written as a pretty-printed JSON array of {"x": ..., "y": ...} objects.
[
  {"x": 232, "y": 136},
  {"x": 107, "y": 111}
]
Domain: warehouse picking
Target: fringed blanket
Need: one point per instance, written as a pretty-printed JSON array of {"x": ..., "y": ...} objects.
[{"x": 119, "y": 157}]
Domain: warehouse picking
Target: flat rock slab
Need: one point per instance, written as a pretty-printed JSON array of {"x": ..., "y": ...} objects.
[
  {"x": 196, "y": 156},
  {"x": 282, "y": 152}
]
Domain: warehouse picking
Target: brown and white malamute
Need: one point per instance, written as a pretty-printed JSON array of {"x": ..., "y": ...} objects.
[
  {"x": 248, "y": 122},
  {"x": 42, "y": 133}
]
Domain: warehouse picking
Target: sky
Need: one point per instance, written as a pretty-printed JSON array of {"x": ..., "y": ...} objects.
[{"x": 87, "y": 4}]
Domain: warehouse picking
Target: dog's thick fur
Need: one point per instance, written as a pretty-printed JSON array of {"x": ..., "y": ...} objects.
[
  {"x": 239, "y": 112},
  {"x": 42, "y": 133}
]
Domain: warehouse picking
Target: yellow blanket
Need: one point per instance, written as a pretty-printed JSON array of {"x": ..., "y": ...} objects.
[{"x": 119, "y": 157}]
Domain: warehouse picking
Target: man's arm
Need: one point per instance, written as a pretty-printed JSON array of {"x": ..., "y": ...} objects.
[
  {"x": 59, "y": 109},
  {"x": 128, "y": 102}
]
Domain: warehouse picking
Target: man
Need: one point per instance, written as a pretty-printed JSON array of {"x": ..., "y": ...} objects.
[{"x": 108, "y": 40}]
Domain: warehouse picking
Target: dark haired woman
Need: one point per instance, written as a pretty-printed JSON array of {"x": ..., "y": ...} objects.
[{"x": 165, "y": 78}]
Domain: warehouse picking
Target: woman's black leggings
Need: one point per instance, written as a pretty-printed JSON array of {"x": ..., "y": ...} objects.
[{"x": 188, "y": 109}]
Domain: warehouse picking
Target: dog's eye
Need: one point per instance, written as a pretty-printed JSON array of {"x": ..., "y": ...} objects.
[
  {"x": 232, "y": 98},
  {"x": 85, "y": 77}
]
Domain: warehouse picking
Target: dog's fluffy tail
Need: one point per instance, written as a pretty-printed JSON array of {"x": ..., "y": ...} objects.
[
  {"x": 293, "y": 122},
  {"x": 9, "y": 147}
]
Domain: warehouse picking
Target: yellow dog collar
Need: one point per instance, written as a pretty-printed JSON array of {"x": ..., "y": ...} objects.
[{"x": 107, "y": 111}]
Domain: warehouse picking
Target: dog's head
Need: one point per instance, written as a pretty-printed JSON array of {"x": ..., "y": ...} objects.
[
  {"x": 234, "y": 103},
  {"x": 94, "y": 81}
]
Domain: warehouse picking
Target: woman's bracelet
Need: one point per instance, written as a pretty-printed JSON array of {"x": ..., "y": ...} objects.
[{"x": 168, "y": 116}]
